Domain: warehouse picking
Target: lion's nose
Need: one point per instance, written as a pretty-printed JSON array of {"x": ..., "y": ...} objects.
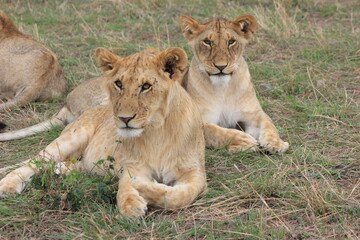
[
  {"x": 221, "y": 67},
  {"x": 126, "y": 120}
]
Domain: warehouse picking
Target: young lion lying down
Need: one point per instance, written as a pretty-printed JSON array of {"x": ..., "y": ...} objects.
[{"x": 150, "y": 126}]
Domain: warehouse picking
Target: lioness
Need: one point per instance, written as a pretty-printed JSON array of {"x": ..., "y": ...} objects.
[
  {"x": 29, "y": 71},
  {"x": 218, "y": 80},
  {"x": 151, "y": 127}
]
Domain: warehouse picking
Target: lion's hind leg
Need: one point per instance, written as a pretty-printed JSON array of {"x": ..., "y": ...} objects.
[
  {"x": 69, "y": 145},
  {"x": 6, "y": 96},
  {"x": 22, "y": 97},
  {"x": 15, "y": 181}
]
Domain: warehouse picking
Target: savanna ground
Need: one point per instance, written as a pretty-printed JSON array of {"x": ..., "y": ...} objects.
[{"x": 305, "y": 63}]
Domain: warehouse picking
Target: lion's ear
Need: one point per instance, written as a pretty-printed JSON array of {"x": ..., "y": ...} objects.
[
  {"x": 2, "y": 21},
  {"x": 189, "y": 26},
  {"x": 173, "y": 61},
  {"x": 105, "y": 59},
  {"x": 245, "y": 25}
]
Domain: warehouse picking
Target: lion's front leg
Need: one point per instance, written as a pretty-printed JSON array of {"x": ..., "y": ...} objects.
[
  {"x": 234, "y": 140},
  {"x": 185, "y": 190},
  {"x": 261, "y": 127},
  {"x": 129, "y": 201}
]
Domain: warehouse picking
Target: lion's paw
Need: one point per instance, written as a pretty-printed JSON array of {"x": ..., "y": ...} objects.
[
  {"x": 273, "y": 144},
  {"x": 138, "y": 182},
  {"x": 133, "y": 205},
  {"x": 9, "y": 187},
  {"x": 242, "y": 142}
]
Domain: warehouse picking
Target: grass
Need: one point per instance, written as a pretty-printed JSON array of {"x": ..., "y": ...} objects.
[{"x": 304, "y": 60}]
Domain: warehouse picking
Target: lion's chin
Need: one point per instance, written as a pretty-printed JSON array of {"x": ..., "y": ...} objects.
[
  {"x": 129, "y": 132},
  {"x": 220, "y": 79}
]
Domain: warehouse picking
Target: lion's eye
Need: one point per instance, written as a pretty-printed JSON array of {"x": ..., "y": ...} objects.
[
  {"x": 207, "y": 42},
  {"x": 231, "y": 42},
  {"x": 118, "y": 84},
  {"x": 145, "y": 86}
]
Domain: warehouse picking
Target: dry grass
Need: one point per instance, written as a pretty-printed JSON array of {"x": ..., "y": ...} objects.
[{"x": 304, "y": 61}]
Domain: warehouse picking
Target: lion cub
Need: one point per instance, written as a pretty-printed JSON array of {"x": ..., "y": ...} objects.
[
  {"x": 29, "y": 71},
  {"x": 151, "y": 127},
  {"x": 219, "y": 82}
]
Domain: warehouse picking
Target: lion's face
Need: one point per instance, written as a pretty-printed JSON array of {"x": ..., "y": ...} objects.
[
  {"x": 140, "y": 85},
  {"x": 218, "y": 43}
]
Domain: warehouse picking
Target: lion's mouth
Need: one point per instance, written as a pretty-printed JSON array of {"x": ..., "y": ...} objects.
[
  {"x": 129, "y": 128},
  {"x": 220, "y": 74}
]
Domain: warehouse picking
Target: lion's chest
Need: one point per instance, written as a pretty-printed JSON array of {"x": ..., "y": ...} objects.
[
  {"x": 221, "y": 111},
  {"x": 107, "y": 152}
]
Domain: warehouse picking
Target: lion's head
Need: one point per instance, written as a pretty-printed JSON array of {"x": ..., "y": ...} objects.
[
  {"x": 218, "y": 43},
  {"x": 140, "y": 86}
]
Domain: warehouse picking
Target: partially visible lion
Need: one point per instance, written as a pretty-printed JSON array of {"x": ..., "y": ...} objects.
[
  {"x": 151, "y": 127},
  {"x": 219, "y": 82},
  {"x": 87, "y": 95},
  {"x": 29, "y": 71}
]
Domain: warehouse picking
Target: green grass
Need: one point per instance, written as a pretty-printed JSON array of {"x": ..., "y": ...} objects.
[{"x": 304, "y": 60}]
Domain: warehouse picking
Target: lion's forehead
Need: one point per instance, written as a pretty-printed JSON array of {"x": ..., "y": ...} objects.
[
  {"x": 137, "y": 75},
  {"x": 222, "y": 35},
  {"x": 140, "y": 59},
  {"x": 216, "y": 22},
  {"x": 218, "y": 25}
]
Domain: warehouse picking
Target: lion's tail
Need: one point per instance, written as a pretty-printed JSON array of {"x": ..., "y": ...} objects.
[{"x": 61, "y": 118}]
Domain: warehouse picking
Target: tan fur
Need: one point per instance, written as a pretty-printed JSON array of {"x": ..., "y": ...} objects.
[
  {"x": 87, "y": 95},
  {"x": 29, "y": 71},
  {"x": 219, "y": 82},
  {"x": 151, "y": 127}
]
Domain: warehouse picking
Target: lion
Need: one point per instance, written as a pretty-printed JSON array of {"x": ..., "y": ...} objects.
[
  {"x": 87, "y": 95},
  {"x": 29, "y": 70},
  {"x": 218, "y": 80},
  {"x": 150, "y": 126}
]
